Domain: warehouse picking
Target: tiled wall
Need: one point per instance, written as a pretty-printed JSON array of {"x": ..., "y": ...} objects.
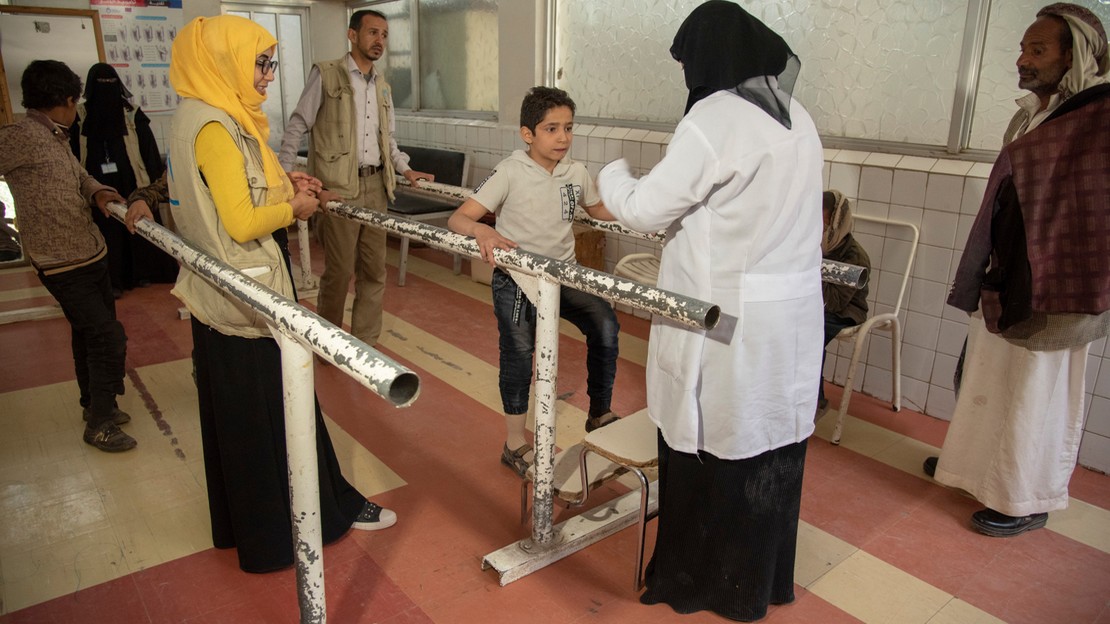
[{"x": 940, "y": 196}]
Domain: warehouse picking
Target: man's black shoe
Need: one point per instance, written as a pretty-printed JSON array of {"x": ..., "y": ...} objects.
[
  {"x": 995, "y": 524},
  {"x": 119, "y": 416},
  {"x": 930, "y": 466}
]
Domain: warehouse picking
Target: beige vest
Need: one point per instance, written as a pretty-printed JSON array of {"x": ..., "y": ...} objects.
[
  {"x": 197, "y": 221},
  {"x": 130, "y": 142},
  {"x": 333, "y": 156}
]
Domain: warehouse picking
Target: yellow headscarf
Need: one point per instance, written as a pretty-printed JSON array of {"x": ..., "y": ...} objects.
[{"x": 213, "y": 60}]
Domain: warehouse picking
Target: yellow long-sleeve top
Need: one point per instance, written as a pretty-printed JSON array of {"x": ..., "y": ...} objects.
[{"x": 221, "y": 163}]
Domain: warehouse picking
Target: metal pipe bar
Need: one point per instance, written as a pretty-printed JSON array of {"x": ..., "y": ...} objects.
[
  {"x": 367, "y": 365},
  {"x": 686, "y": 310},
  {"x": 844, "y": 274},
  {"x": 296, "y": 331}
]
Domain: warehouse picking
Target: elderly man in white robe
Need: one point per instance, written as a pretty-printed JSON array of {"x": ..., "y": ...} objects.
[{"x": 1035, "y": 277}]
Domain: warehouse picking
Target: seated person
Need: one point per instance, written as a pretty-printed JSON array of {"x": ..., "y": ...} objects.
[
  {"x": 533, "y": 193},
  {"x": 844, "y": 306}
]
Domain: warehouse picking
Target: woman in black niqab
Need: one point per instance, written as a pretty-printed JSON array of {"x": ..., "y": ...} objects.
[
  {"x": 113, "y": 140},
  {"x": 723, "y": 48}
]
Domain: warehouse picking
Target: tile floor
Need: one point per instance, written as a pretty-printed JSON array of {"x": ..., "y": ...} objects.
[{"x": 90, "y": 537}]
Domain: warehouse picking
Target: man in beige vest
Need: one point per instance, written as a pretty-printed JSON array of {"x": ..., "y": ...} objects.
[{"x": 348, "y": 106}]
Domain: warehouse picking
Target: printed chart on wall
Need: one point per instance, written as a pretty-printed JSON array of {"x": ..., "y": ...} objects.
[{"x": 138, "y": 35}]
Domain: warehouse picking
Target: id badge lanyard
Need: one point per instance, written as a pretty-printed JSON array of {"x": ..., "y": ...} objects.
[{"x": 108, "y": 166}]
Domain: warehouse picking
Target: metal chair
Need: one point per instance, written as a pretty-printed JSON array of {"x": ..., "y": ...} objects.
[{"x": 885, "y": 321}]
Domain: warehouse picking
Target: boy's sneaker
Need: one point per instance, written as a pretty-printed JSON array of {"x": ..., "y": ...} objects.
[
  {"x": 109, "y": 438},
  {"x": 374, "y": 517},
  {"x": 598, "y": 422},
  {"x": 119, "y": 416}
]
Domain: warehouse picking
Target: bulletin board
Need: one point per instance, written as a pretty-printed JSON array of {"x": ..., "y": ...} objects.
[{"x": 32, "y": 33}]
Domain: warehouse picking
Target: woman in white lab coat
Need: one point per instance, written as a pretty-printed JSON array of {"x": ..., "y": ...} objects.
[{"x": 738, "y": 193}]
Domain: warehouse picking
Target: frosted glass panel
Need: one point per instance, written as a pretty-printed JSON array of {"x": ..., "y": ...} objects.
[
  {"x": 458, "y": 55},
  {"x": 994, "y": 104},
  {"x": 398, "y": 56},
  {"x": 871, "y": 69}
]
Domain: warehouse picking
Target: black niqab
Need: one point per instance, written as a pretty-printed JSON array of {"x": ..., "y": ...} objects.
[
  {"x": 105, "y": 103},
  {"x": 722, "y": 47}
]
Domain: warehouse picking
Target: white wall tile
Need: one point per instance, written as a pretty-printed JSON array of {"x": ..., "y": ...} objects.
[
  {"x": 941, "y": 402},
  {"x": 939, "y": 228},
  {"x": 944, "y": 367},
  {"x": 875, "y": 184},
  {"x": 579, "y": 149},
  {"x": 908, "y": 188},
  {"x": 613, "y": 148},
  {"x": 963, "y": 228},
  {"x": 1090, "y": 376},
  {"x": 877, "y": 382},
  {"x": 878, "y": 350},
  {"x": 1098, "y": 346},
  {"x": 908, "y": 214},
  {"x": 844, "y": 178},
  {"x": 825, "y": 168},
  {"x": 1094, "y": 452},
  {"x": 650, "y": 154},
  {"x": 889, "y": 161},
  {"x": 932, "y": 263},
  {"x": 1101, "y": 387},
  {"x": 973, "y": 195},
  {"x": 928, "y": 297},
  {"x": 921, "y": 330},
  {"x": 917, "y": 163},
  {"x": 944, "y": 192},
  {"x": 851, "y": 156},
  {"x": 895, "y": 255},
  {"x": 1098, "y": 418},
  {"x": 951, "y": 338},
  {"x": 952, "y": 167},
  {"x": 595, "y": 149},
  {"x": 917, "y": 363},
  {"x": 915, "y": 394}
]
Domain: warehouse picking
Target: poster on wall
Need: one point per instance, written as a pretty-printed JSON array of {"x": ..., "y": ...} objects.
[{"x": 138, "y": 35}]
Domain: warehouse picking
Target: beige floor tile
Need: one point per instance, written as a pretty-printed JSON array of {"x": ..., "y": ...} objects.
[
  {"x": 907, "y": 455},
  {"x": 959, "y": 612},
  {"x": 859, "y": 435},
  {"x": 874, "y": 591},
  {"x": 62, "y": 568},
  {"x": 1084, "y": 523},
  {"x": 36, "y": 483},
  {"x": 182, "y": 530},
  {"x": 144, "y": 494},
  {"x": 818, "y": 553},
  {"x": 366, "y": 472},
  {"x": 139, "y": 546},
  {"x": 53, "y": 521}
]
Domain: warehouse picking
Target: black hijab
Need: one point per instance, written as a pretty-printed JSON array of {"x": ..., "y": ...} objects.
[
  {"x": 724, "y": 48},
  {"x": 105, "y": 102}
]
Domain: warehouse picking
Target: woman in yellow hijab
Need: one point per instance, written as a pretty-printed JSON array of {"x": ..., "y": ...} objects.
[{"x": 230, "y": 197}]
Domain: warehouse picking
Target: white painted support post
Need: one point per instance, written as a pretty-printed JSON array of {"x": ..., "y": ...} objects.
[
  {"x": 304, "y": 478},
  {"x": 547, "y": 372},
  {"x": 308, "y": 279}
]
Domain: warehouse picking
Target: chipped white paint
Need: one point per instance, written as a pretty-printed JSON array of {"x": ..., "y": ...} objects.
[
  {"x": 308, "y": 280},
  {"x": 685, "y": 310},
  {"x": 844, "y": 274},
  {"x": 547, "y": 372},
  {"x": 296, "y": 330},
  {"x": 304, "y": 478}
]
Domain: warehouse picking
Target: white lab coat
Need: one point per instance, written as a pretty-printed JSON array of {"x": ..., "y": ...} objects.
[{"x": 740, "y": 197}]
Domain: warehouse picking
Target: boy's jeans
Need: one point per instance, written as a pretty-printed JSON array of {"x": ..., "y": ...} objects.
[{"x": 516, "y": 324}]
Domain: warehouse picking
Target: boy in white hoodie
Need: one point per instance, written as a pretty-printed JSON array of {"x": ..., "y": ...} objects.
[{"x": 534, "y": 194}]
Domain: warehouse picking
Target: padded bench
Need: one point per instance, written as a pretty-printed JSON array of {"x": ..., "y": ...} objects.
[{"x": 448, "y": 167}]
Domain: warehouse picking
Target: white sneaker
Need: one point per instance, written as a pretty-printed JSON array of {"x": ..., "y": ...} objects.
[{"x": 374, "y": 517}]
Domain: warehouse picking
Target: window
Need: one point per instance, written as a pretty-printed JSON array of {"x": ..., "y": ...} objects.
[
  {"x": 290, "y": 26},
  {"x": 442, "y": 54},
  {"x": 873, "y": 71}
]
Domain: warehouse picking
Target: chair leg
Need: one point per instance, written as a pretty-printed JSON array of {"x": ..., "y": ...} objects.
[
  {"x": 585, "y": 479},
  {"x": 403, "y": 264},
  {"x": 457, "y": 264},
  {"x": 896, "y": 363},
  {"x": 638, "y": 581},
  {"x": 846, "y": 398}
]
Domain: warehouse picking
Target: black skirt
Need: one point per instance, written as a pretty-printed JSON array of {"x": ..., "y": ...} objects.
[
  {"x": 242, "y": 421},
  {"x": 728, "y": 531}
]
